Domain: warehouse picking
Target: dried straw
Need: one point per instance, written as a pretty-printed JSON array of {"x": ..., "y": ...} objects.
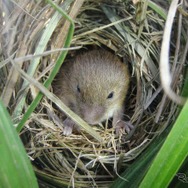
[{"x": 30, "y": 28}]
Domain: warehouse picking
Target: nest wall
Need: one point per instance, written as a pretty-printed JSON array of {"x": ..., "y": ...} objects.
[{"x": 117, "y": 26}]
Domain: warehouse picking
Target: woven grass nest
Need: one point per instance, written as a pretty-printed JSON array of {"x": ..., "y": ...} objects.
[{"x": 79, "y": 160}]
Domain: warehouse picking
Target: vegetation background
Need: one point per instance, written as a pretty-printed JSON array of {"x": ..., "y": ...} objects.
[{"x": 36, "y": 37}]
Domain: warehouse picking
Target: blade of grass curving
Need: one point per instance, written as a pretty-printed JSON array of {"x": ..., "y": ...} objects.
[
  {"x": 48, "y": 31},
  {"x": 16, "y": 169},
  {"x": 171, "y": 156},
  {"x": 136, "y": 171},
  {"x": 60, "y": 104},
  {"x": 173, "y": 152},
  {"x": 55, "y": 69}
]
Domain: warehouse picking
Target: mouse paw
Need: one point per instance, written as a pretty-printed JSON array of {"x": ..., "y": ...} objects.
[
  {"x": 68, "y": 126},
  {"x": 122, "y": 126}
]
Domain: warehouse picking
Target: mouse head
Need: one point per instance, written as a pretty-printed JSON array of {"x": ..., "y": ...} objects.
[{"x": 99, "y": 83}]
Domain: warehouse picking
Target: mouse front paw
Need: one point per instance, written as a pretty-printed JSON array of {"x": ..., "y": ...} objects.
[
  {"x": 68, "y": 126},
  {"x": 122, "y": 126}
]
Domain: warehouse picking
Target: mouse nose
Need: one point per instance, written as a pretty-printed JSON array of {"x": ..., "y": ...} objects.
[{"x": 92, "y": 114}]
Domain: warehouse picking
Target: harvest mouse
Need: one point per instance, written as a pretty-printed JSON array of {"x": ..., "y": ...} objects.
[{"x": 94, "y": 85}]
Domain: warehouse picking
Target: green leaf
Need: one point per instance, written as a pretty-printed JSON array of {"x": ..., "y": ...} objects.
[
  {"x": 55, "y": 69},
  {"x": 16, "y": 170},
  {"x": 169, "y": 159},
  {"x": 158, "y": 9},
  {"x": 172, "y": 154},
  {"x": 47, "y": 33},
  {"x": 137, "y": 170}
]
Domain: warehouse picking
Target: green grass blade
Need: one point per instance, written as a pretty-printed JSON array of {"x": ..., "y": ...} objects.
[
  {"x": 55, "y": 69},
  {"x": 48, "y": 31},
  {"x": 60, "y": 104},
  {"x": 171, "y": 156},
  {"x": 158, "y": 9},
  {"x": 16, "y": 169},
  {"x": 136, "y": 171}
]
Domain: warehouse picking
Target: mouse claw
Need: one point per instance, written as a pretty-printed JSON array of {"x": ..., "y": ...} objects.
[
  {"x": 68, "y": 126},
  {"x": 123, "y": 126}
]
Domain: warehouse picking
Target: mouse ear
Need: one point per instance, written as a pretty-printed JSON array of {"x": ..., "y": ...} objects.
[{"x": 110, "y": 96}]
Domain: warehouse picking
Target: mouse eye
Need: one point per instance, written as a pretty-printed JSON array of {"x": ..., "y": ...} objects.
[
  {"x": 78, "y": 88},
  {"x": 110, "y": 96}
]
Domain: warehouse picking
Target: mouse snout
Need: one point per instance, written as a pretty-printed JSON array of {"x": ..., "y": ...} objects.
[{"x": 92, "y": 114}]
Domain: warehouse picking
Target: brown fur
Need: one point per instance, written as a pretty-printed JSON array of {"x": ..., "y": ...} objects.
[{"x": 85, "y": 84}]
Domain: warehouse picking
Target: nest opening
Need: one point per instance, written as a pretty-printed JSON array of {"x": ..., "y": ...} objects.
[{"x": 79, "y": 158}]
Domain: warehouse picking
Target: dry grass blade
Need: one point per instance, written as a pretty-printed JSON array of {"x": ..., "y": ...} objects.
[
  {"x": 164, "y": 62},
  {"x": 79, "y": 160},
  {"x": 58, "y": 102}
]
